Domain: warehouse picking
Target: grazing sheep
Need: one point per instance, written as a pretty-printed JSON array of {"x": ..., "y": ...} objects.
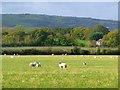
[
  {"x": 12, "y": 56},
  {"x": 111, "y": 57},
  {"x": 18, "y": 55},
  {"x": 66, "y": 54},
  {"x": 100, "y": 57},
  {"x": 32, "y": 65},
  {"x": 52, "y": 54},
  {"x": 95, "y": 57},
  {"x": 82, "y": 55},
  {"x": 116, "y": 56},
  {"x": 84, "y": 63},
  {"x": 35, "y": 64},
  {"x": 62, "y": 65},
  {"x": 38, "y": 64}
]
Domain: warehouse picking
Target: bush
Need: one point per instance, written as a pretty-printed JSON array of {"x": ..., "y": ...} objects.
[
  {"x": 75, "y": 50},
  {"x": 82, "y": 44},
  {"x": 92, "y": 43},
  {"x": 97, "y": 50},
  {"x": 84, "y": 52},
  {"x": 104, "y": 51},
  {"x": 59, "y": 52},
  {"x": 49, "y": 51},
  {"x": 23, "y": 52},
  {"x": 31, "y": 52},
  {"x": 8, "y": 52},
  {"x": 110, "y": 52}
]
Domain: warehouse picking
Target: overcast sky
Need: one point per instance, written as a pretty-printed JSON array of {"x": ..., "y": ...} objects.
[{"x": 99, "y": 10}]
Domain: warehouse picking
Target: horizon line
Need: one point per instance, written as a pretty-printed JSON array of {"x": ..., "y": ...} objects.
[{"x": 62, "y": 16}]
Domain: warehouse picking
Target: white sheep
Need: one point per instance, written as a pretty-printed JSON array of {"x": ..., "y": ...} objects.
[
  {"x": 18, "y": 55},
  {"x": 62, "y": 65},
  {"x": 95, "y": 57},
  {"x": 84, "y": 63},
  {"x": 116, "y": 56},
  {"x": 38, "y": 64},
  {"x": 82, "y": 55},
  {"x": 101, "y": 57},
  {"x": 12, "y": 56},
  {"x": 66, "y": 54},
  {"x": 111, "y": 57},
  {"x": 35, "y": 64},
  {"x": 32, "y": 65}
]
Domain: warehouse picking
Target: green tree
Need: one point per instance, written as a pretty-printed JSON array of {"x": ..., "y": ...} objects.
[
  {"x": 77, "y": 33},
  {"x": 100, "y": 28},
  {"x": 95, "y": 36},
  {"x": 112, "y": 39},
  {"x": 87, "y": 32}
]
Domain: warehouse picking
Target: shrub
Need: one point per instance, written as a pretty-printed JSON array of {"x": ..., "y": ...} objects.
[
  {"x": 75, "y": 50},
  {"x": 23, "y": 52},
  {"x": 31, "y": 52},
  {"x": 110, "y": 52},
  {"x": 49, "y": 51},
  {"x": 103, "y": 51},
  {"x": 84, "y": 52},
  {"x": 97, "y": 50},
  {"x": 59, "y": 52},
  {"x": 92, "y": 43}
]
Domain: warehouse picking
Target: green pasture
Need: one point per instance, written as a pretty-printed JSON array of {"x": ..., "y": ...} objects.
[{"x": 100, "y": 72}]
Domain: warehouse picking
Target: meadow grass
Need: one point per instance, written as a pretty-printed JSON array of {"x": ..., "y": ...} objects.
[{"x": 98, "y": 73}]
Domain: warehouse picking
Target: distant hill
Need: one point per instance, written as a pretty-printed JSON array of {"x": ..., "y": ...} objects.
[{"x": 35, "y": 21}]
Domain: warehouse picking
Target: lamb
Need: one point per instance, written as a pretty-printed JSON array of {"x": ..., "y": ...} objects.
[
  {"x": 95, "y": 57},
  {"x": 62, "y": 65},
  {"x": 32, "y": 64},
  {"x": 35, "y": 64},
  {"x": 111, "y": 57},
  {"x": 12, "y": 56},
  {"x": 38, "y": 64},
  {"x": 82, "y": 55},
  {"x": 84, "y": 63},
  {"x": 100, "y": 56}
]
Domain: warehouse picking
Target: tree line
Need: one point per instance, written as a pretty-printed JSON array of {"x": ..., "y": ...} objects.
[{"x": 79, "y": 36}]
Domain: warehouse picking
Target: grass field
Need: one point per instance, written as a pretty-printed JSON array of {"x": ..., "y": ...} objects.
[{"x": 98, "y": 73}]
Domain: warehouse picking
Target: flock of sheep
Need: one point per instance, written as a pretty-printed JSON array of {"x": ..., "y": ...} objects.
[
  {"x": 38, "y": 64},
  {"x": 61, "y": 64}
]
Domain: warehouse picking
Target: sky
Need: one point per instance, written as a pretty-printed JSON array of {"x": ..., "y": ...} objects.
[
  {"x": 60, "y": 0},
  {"x": 98, "y": 10}
]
